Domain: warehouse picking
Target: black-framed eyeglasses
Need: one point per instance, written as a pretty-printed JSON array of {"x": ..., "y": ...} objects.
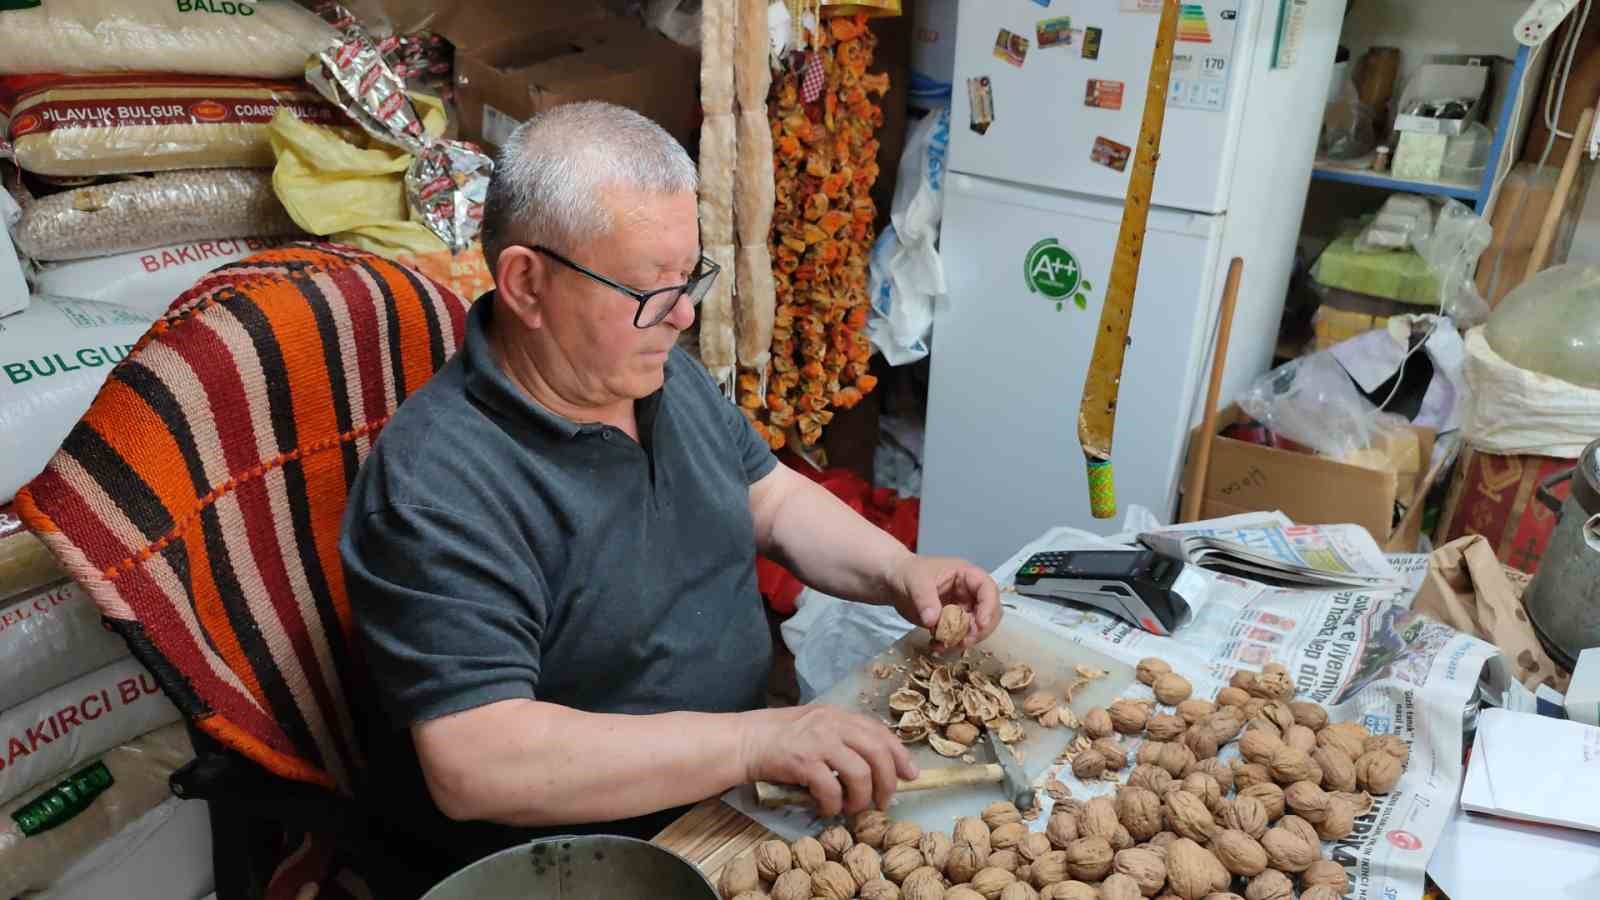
[{"x": 653, "y": 305}]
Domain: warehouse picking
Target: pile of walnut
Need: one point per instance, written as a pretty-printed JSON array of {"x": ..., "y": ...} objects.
[{"x": 1186, "y": 825}]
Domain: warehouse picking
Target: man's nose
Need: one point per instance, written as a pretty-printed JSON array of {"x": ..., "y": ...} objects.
[{"x": 682, "y": 314}]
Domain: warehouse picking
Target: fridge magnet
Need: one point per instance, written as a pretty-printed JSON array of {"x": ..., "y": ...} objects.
[
  {"x": 1051, "y": 271},
  {"x": 1091, "y": 43},
  {"x": 1103, "y": 94},
  {"x": 1013, "y": 48},
  {"x": 1055, "y": 32},
  {"x": 980, "y": 103},
  {"x": 1111, "y": 154}
]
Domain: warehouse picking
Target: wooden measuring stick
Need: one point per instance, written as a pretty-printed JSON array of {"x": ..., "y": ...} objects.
[
  {"x": 771, "y": 796},
  {"x": 1208, "y": 425},
  {"x": 1558, "y": 198},
  {"x": 1097, "y": 412}
]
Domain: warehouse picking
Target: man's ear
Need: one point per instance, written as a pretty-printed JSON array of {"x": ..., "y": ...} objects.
[{"x": 520, "y": 279}]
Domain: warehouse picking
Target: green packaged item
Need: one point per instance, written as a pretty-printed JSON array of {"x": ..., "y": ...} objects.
[{"x": 1401, "y": 275}]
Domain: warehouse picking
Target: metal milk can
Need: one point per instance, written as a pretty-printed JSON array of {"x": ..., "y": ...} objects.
[{"x": 1563, "y": 601}]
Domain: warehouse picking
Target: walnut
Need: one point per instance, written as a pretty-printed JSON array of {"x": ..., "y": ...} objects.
[
  {"x": 1247, "y": 774},
  {"x": 1246, "y": 814},
  {"x": 1089, "y": 858},
  {"x": 1290, "y": 765},
  {"x": 1118, "y": 886},
  {"x": 878, "y": 889},
  {"x": 1115, "y": 755},
  {"x": 1309, "y": 801},
  {"x": 832, "y": 881},
  {"x": 1000, "y": 813},
  {"x": 1165, "y": 727},
  {"x": 1033, "y": 845},
  {"x": 925, "y": 882},
  {"x": 1172, "y": 688},
  {"x": 1070, "y": 890},
  {"x": 740, "y": 876},
  {"x": 902, "y": 834},
  {"x": 1201, "y": 741},
  {"x": 1220, "y": 771},
  {"x": 955, "y": 623},
  {"x": 1259, "y": 746},
  {"x": 1232, "y": 696},
  {"x": 1088, "y": 764},
  {"x": 1097, "y": 723},
  {"x": 869, "y": 826},
  {"x": 1327, "y": 873},
  {"x": 1288, "y": 850},
  {"x": 898, "y": 862},
  {"x": 1311, "y": 715},
  {"x": 1301, "y": 738},
  {"x": 1205, "y": 787},
  {"x": 1187, "y": 815},
  {"x": 1244, "y": 680},
  {"x": 1225, "y": 723},
  {"x": 1270, "y": 885},
  {"x": 1150, "y": 668},
  {"x": 1048, "y": 869},
  {"x": 991, "y": 881},
  {"x": 1273, "y": 683},
  {"x": 965, "y": 860},
  {"x": 835, "y": 841},
  {"x": 1391, "y": 744},
  {"x": 1239, "y": 853},
  {"x": 1338, "y": 820},
  {"x": 1377, "y": 772},
  {"x": 1151, "y": 777},
  {"x": 1038, "y": 703},
  {"x": 1223, "y": 895},
  {"x": 1019, "y": 890},
  {"x": 1121, "y": 839},
  {"x": 962, "y": 733},
  {"x": 1175, "y": 758},
  {"x": 1163, "y": 839},
  {"x": 1254, "y": 706},
  {"x": 864, "y": 863},
  {"x": 1147, "y": 868},
  {"x": 1061, "y": 830},
  {"x": 972, "y": 830},
  {"x": 935, "y": 847},
  {"x": 1270, "y": 796},
  {"x": 773, "y": 859},
  {"x": 751, "y": 895},
  {"x": 1338, "y": 771},
  {"x": 1140, "y": 811},
  {"x": 1349, "y": 737},
  {"x": 1128, "y": 717},
  {"x": 794, "y": 884},
  {"x": 808, "y": 854},
  {"x": 1360, "y": 802},
  {"x": 1195, "y": 709},
  {"x": 1005, "y": 859},
  {"x": 1007, "y": 836},
  {"x": 1321, "y": 892},
  {"x": 962, "y": 892},
  {"x": 1192, "y": 872}
]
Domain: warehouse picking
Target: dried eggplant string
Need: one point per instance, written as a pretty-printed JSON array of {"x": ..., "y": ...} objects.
[{"x": 718, "y": 153}]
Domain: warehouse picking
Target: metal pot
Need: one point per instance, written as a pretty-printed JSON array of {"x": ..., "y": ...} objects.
[
  {"x": 1563, "y": 601},
  {"x": 599, "y": 867}
]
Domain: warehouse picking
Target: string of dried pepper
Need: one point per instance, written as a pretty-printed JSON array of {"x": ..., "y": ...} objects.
[{"x": 825, "y": 157}]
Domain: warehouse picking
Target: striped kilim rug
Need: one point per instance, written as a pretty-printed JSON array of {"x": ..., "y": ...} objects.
[{"x": 199, "y": 499}]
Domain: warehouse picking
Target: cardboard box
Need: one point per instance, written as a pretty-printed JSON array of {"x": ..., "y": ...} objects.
[
  {"x": 1310, "y": 489},
  {"x": 509, "y": 67}
]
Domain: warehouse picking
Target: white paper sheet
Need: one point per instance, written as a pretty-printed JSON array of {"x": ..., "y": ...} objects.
[{"x": 1535, "y": 769}]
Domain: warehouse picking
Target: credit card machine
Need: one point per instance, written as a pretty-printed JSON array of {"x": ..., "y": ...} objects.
[{"x": 1134, "y": 585}]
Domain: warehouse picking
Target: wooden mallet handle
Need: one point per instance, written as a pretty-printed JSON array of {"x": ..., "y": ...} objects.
[{"x": 772, "y": 796}]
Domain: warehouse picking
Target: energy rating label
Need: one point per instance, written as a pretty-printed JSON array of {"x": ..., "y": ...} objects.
[
  {"x": 1192, "y": 24},
  {"x": 1202, "y": 59}
]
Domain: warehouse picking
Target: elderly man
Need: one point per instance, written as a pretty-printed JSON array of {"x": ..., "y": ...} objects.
[{"x": 551, "y": 549}]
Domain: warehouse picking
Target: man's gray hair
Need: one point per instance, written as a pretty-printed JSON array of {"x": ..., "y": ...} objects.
[{"x": 550, "y": 177}]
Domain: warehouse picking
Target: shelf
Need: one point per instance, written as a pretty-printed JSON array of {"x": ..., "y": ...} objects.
[{"x": 1459, "y": 190}]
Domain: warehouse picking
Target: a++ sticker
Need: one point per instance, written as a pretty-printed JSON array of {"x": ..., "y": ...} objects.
[
  {"x": 1103, "y": 94},
  {"x": 1109, "y": 153},
  {"x": 1091, "y": 43},
  {"x": 1013, "y": 48},
  {"x": 1055, "y": 32},
  {"x": 980, "y": 103}
]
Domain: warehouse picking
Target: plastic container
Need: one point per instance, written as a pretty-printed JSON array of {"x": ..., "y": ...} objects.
[
  {"x": 1551, "y": 324},
  {"x": 1467, "y": 154}
]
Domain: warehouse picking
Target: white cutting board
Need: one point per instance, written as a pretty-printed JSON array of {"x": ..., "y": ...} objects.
[{"x": 1017, "y": 640}]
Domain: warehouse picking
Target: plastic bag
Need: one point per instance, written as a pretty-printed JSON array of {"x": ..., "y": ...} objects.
[
  {"x": 1451, "y": 248},
  {"x": 50, "y": 636},
  {"x": 1402, "y": 219},
  {"x": 906, "y": 275},
  {"x": 1348, "y": 131},
  {"x": 140, "y": 213},
  {"x": 1551, "y": 324},
  {"x": 144, "y": 280},
  {"x": 1514, "y": 410},
  {"x": 351, "y": 188},
  {"x": 1312, "y": 401}
]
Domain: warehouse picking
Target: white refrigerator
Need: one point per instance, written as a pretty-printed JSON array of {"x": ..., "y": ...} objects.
[{"x": 1033, "y": 203}]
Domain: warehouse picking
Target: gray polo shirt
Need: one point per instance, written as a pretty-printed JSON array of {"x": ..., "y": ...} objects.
[{"x": 495, "y": 550}]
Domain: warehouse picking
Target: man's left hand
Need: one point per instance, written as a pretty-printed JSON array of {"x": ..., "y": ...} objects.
[{"x": 923, "y": 584}]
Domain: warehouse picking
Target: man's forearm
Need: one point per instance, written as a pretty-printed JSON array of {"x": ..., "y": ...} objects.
[
  {"x": 530, "y": 764},
  {"x": 830, "y": 546}
]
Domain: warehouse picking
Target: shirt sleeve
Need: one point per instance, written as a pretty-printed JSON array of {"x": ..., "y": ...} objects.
[
  {"x": 755, "y": 457},
  {"x": 448, "y": 612}
]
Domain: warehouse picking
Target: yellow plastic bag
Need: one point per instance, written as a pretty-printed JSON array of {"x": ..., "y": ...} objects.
[{"x": 349, "y": 187}]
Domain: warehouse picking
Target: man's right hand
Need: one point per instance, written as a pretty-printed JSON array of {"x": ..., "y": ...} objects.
[{"x": 849, "y": 762}]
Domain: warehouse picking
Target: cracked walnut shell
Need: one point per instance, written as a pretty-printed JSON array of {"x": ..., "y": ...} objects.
[
  {"x": 972, "y": 830},
  {"x": 935, "y": 847},
  {"x": 965, "y": 861},
  {"x": 955, "y": 623}
]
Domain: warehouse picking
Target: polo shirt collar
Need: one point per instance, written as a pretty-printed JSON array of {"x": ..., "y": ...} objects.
[{"x": 492, "y": 387}]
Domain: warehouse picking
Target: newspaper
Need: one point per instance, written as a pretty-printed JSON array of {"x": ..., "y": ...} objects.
[
  {"x": 1308, "y": 555},
  {"x": 1360, "y": 652}
]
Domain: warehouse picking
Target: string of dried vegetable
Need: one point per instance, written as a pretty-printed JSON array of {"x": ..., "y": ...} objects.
[{"x": 825, "y": 157}]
